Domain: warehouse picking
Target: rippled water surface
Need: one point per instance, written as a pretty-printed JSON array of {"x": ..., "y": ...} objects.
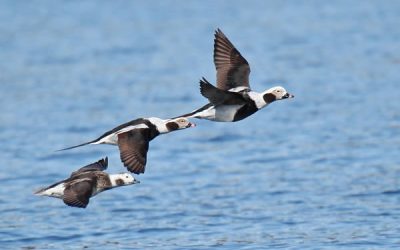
[{"x": 321, "y": 171}]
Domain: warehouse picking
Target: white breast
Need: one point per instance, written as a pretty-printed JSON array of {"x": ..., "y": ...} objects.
[{"x": 113, "y": 138}]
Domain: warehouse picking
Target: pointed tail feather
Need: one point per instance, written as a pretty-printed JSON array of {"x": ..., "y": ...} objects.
[
  {"x": 39, "y": 192},
  {"x": 76, "y": 146},
  {"x": 42, "y": 192},
  {"x": 188, "y": 115},
  {"x": 194, "y": 114}
]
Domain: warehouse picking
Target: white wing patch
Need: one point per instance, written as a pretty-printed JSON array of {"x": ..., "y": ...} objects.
[
  {"x": 238, "y": 89},
  {"x": 113, "y": 138},
  {"x": 131, "y": 128}
]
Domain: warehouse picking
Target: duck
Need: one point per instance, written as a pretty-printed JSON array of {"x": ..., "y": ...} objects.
[
  {"x": 85, "y": 183},
  {"x": 133, "y": 138},
  {"x": 232, "y": 99}
]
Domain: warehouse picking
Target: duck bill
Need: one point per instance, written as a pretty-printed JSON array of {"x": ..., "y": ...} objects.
[
  {"x": 191, "y": 125},
  {"x": 287, "y": 95}
]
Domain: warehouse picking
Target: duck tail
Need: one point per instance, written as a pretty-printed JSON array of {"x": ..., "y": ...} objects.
[{"x": 76, "y": 146}]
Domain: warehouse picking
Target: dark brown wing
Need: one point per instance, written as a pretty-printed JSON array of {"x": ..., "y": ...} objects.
[
  {"x": 77, "y": 194},
  {"x": 100, "y": 165},
  {"x": 218, "y": 96},
  {"x": 133, "y": 146},
  {"x": 232, "y": 69}
]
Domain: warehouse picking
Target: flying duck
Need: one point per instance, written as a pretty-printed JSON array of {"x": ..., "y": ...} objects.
[
  {"x": 232, "y": 100},
  {"x": 133, "y": 138},
  {"x": 85, "y": 183}
]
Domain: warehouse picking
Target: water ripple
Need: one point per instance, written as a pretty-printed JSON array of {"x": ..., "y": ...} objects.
[{"x": 320, "y": 171}]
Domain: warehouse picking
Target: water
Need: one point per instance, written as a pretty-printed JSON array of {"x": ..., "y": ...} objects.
[{"x": 320, "y": 171}]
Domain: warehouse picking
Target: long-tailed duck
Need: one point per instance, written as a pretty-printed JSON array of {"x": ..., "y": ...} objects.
[
  {"x": 85, "y": 183},
  {"x": 232, "y": 100},
  {"x": 133, "y": 139}
]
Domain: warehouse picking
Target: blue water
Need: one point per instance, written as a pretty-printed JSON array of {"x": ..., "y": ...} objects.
[{"x": 320, "y": 171}]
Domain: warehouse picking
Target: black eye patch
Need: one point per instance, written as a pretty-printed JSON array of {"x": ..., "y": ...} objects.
[
  {"x": 119, "y": 182},
  {"x": 171, "y": 126},
  {"x": 268, "y": 98}
]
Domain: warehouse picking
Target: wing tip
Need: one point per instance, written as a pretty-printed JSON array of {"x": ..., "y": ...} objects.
[
  {"x": 39, "y": 192},
  {"x": 220, "y": 36},
  {"x": 218, "y": 31},
  {"x": 104, "y": 162},
  {"x": 203, "y": 80},
  {"x": 204, "y": 84},
  {"x": 136, "y": 168},
  {"x": 133, "y": 164}
]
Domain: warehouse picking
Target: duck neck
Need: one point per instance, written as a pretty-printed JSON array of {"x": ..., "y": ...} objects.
[
  {"x": 159, "y": 124},
  {"x": 116, "y": 180},
  {"x": 268, "y": 96},
  {"x": 258, "y": 99}
]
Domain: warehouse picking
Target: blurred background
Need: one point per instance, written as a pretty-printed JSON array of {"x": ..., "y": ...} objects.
[{"x": 320, "y": 171}]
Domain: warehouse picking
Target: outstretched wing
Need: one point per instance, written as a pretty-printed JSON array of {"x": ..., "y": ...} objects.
[
  {"x": 218, "y": 96},
  {"x": 133, "y": 146},
  {"x": 78, "y": 193},
  {"x": 232, "y": 68},
  {"x": 100, "y": 165}
]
